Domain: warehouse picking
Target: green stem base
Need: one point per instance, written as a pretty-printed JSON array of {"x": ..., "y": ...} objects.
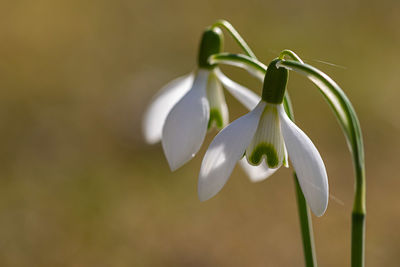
[{"x": 357, "y": 239}]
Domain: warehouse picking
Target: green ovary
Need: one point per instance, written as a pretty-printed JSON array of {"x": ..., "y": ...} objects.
[
  {"x": 264, "y": 149},
  {"x": 215, "y": 116}
]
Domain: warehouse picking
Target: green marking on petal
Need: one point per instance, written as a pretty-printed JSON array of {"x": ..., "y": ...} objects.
[
  {"x": 215, "y": 116},
  {"x": 284, "y": 162},
  {"x": 265, "y": 149}
]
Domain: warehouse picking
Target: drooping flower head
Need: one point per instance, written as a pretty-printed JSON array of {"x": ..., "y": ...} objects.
[
  {"x": 266, "y": 135},
  {"x": 202, "y": 106}
]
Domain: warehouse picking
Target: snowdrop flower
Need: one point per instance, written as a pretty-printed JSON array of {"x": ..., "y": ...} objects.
[
  {"x": 187, "y": 107},
  {"x": 266, "y": 135}
]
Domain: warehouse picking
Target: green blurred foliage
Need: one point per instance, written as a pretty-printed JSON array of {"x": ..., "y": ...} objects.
[{"x": 78, "y": 185}]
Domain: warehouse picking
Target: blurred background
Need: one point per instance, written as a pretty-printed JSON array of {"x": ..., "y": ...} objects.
[{"x": 79, "y": 186}]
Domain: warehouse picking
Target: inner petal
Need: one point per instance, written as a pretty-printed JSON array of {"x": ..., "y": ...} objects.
[
  {"x": 218, "y": 109},
  {"x": 267, "y": 143}
]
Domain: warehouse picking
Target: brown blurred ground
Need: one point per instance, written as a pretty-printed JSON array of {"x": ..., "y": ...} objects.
[{"x": 78, "y": 186}]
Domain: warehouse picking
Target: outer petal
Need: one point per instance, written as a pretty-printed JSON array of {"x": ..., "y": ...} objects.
[
  {"x": 224, "y": 152},
  {"x": 247, "y": 97},
  {"x": 162, "y": 104},
  {"x": 307, "y": 163},
  {"x": 186, "y": 124},
  {"x": 257, "y": 173}
]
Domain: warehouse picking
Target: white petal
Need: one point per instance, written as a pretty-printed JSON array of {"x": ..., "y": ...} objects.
[
  {"x": 307, "y": 163},
  {"x": 257, "y": 173},
  {"x": 186, "y": 124},
  {"x": 225, "y": 151},
  {"x": 161, "y": 105},
  {"x": 247, "y": 97}
]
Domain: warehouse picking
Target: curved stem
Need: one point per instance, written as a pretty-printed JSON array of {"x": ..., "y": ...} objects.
[
  {"x": 347, "y": 117},
  {"x": 232, "y": 31}
]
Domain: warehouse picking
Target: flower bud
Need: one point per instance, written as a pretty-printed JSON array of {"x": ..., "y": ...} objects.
[{"x": 211, "y": 43}]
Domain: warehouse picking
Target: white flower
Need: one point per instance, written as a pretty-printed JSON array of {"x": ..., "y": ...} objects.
[{"x": 266, "y": 136}]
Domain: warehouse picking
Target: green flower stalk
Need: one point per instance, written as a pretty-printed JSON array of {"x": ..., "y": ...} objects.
[{"x": 348, "y": 120}]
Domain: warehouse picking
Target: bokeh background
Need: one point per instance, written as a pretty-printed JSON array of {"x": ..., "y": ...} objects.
[{"x": 79, "y": 186}]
